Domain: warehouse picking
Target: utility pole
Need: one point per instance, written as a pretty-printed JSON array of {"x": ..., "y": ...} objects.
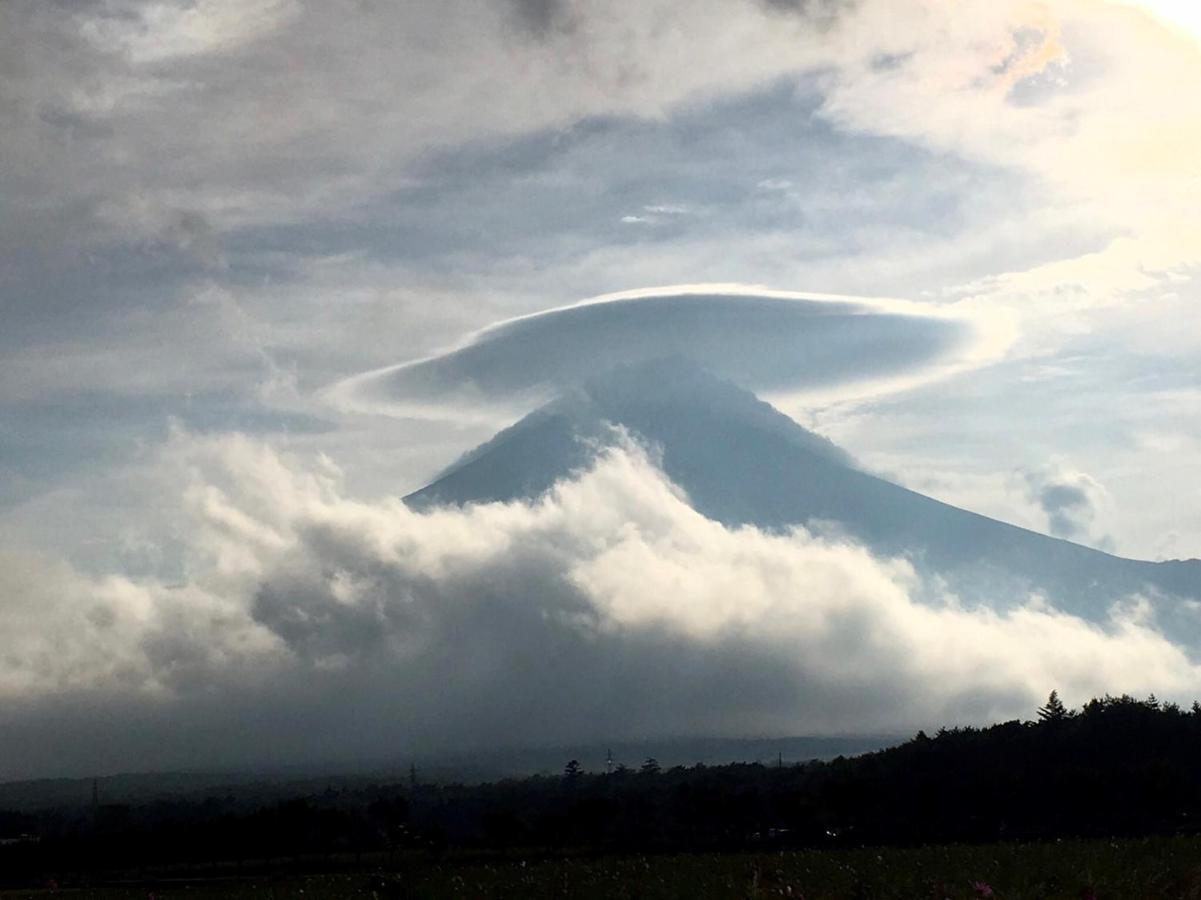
[{"x": 609, "y": 761}]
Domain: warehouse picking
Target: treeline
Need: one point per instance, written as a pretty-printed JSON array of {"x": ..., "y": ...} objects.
[{"x": 1117, "y": 767}]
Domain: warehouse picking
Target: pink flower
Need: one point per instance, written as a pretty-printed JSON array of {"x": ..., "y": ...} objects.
[{"x": 982, "y": 889}]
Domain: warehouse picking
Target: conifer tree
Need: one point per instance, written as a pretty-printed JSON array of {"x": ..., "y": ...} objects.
[{"x": 1054, "y": 711}]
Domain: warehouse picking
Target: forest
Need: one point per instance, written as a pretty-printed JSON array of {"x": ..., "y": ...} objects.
[{"x": 1118, "y": 768}]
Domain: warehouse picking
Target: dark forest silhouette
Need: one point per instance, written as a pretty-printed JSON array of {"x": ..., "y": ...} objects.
[{"x": 1117, "y": 767}]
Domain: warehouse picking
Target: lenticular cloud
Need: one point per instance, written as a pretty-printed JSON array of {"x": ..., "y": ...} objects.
[
  {"x": 768, "y": 341},
  {"x": 314, "y": 626}
]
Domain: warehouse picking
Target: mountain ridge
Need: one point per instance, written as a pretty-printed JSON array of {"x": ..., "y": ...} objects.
[{"x": 742, "y": 462}]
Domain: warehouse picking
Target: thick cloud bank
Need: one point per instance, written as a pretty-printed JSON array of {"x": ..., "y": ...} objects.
[
  {"x": 314, "y": 627},
  {"x": 768, "y": 341}
]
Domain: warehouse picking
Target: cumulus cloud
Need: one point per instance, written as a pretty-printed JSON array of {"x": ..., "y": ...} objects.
[{"x": 313, "y": 626}]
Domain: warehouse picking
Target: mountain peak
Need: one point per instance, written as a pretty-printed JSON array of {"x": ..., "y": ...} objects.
[
  {"x": 742, "y": 462},
  {"x": 660, "y": 379},
  {"x": 676, "y": 387},
  {"x": 666, "y": 401}
]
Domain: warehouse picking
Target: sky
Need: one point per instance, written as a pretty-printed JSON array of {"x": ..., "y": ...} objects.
[{"x": 217, "y": 217}]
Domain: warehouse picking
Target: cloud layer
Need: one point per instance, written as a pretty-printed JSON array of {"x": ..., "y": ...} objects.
[
  {"x": 313, "y": 627},
  {"x": 774, "y": 342}
]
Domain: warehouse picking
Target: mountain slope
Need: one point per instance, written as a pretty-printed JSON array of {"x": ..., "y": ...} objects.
[{"x": 742, "y": 462}]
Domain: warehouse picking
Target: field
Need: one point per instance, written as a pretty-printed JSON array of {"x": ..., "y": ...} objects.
[{"x": 1151, "y": 869}]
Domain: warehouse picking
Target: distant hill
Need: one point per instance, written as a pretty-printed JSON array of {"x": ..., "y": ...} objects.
[
  {"x": 741, "y": 461},
  {"x": 249, "y": 787}
]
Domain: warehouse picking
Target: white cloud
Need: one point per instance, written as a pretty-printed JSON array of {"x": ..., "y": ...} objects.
[
  {"x": 610, "y": 608},
  {"x": 796, "y": 346},
  {"x": 1080, "y": 96},
  {"x": 160, "y": 31}
]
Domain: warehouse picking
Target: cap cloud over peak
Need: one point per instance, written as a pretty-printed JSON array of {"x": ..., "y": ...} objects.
[{"x": 770, "y": 341}]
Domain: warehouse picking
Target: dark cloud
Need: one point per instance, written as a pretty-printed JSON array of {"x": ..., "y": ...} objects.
[
  {"x": 1065, "y": 505},
  {"x": 542, "y": 16},
  {"x": 1071, "y": 501},
  {"x": 193, "y": 233},
  {"x": 823, "y": 12}
]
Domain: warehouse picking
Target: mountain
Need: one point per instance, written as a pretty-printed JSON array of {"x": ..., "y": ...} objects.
[{"x": 743, "y": 462}]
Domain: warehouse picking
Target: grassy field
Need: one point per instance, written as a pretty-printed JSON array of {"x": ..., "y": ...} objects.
[{"x": 1153, "y": 869}]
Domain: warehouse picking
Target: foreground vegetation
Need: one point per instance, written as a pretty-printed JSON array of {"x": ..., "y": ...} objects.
[
  {"x": 1142, "y": 869},
  {"x": 1101, "y": 802}
]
